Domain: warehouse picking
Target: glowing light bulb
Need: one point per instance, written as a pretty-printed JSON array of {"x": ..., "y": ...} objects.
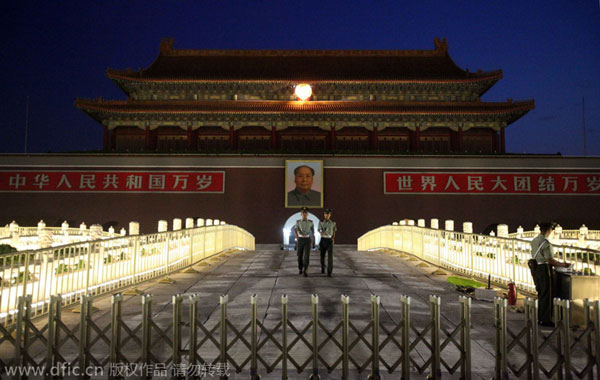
[{"x": 303, "y": 91}]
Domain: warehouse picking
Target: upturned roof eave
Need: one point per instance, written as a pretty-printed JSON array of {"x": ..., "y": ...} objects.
[{"x": 472, "y": 108}]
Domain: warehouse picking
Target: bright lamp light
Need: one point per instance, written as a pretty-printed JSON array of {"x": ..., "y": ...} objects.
[{"x": 303, "y": 91}]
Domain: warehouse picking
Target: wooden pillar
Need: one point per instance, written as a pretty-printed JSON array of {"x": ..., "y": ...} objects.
[
  {"x": 154, "y": 139},
  {"x": 415, "y": 139},
  {"x": 374, "y": 139},
  {"x": 456, "y": 140},
  {"x": 231, "y": 138},
  {"x": 495, "y": 142},
  {"x": 273, "y": 137},
  {"x": 332, "y": 138},
  {"x": 148, "y": 140},
  {"x": 502, "y": 141},
  {"x": 418, "y": 139},
  {"x": 190, "y": 138},
  {"x": 113, "y": 140},
  {"x": 106, "y": 139}
]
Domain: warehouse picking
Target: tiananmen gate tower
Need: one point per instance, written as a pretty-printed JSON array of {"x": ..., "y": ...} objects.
[{"x": 388, "y": 101}]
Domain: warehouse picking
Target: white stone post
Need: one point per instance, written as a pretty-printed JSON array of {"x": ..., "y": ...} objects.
[
  {"x": 123, "y": 232},
  {"x": 223, "y": 222},
  {"x": 199, "y": 222},
  {"x": 411, "y": 222},
  {"x": 216, "y": 222},
  {"x": 134, "y": 228},
  {"x": 403, "y": 222},
  {"x": 45, "y": 238},
  {"x": 65, "y": 228},
  {"x": 583, "y": 232},
  {"x": 394, "y": 223},
  {"x": 176, "y": 224},
  {"x": 503, "y": 233},
  {"x": 558, "y": 231},
  {"x": 421, "y": 222},
  {"x": 449, "y": 225},
  {"x": 82, "y": 229},
  {"x": 536, "y": 230},
  {"x": 520, "y": 232},
  {"x": 14, "y": 233},
  {"x": 468, "y": 227},
  {"x": 95, "y": 232},
  {"x": 492, "y": 233},
  {"x": 163, "y": 226},
  {"x": 502, "y": 230},
  {"x": 189, "y": 222},
  {"x": 13, "y": 228},
  {"x": 41, "y": 226},
  {"x": 111, "y": 231},
  {"x": 435, "y": 224},
  {"x": 209, "y": 222},
  {"x": 96, "y": 251}
]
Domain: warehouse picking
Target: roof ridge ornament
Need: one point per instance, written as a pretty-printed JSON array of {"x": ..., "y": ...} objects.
[
  {"x": 441, "y": 45},
  {"x": 166, "y": 45}
]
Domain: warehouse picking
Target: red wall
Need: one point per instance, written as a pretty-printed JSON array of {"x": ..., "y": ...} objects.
[{"x": 254, "y": 196}]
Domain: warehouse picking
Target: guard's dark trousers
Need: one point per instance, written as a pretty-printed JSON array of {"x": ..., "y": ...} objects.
[
  {"x": 326, "y": 247},
  {"x": 303, "y": 253},
  {"x": 543, "y": 280}
]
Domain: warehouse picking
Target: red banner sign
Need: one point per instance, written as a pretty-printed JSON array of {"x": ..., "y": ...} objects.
[
  {"x": 491, "y": 183},
  {"x": 112, "y": 181}
]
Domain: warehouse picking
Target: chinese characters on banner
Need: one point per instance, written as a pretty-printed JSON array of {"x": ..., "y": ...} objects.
[
  {"x": 491, "y": 183},
  {"x": 112, "y": 181}
]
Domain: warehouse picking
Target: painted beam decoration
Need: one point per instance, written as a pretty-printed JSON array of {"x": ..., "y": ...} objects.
[
  {"x": 496, "y": 183},
  {"x": 112, "y": 181}
]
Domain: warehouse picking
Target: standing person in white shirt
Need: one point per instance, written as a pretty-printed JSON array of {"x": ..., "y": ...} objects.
[
  {"x": 327, "y": 229},
  {"x": 543, "y": 253},
  {"x": 304, "y": 231}
]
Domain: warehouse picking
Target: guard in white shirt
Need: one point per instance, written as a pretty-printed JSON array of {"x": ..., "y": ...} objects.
[
  {"x": 304, "y": 231},
  {"x": 327, "y": 229}
]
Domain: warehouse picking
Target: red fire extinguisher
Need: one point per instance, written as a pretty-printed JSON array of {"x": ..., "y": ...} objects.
[{"x": 512, "y": 294}]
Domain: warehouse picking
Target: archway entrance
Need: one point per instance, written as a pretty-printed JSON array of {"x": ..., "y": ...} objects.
[{"x": 289, "y": 241}]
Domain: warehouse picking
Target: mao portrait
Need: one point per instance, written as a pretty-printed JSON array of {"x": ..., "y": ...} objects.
[{"x": 303, "y": 183}]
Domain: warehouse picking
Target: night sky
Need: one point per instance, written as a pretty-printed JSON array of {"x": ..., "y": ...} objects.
[{"x": 54, "y": 52}]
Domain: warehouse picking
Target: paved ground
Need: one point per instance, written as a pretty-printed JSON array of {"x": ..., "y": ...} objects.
[{"x": 270, "y": 272}]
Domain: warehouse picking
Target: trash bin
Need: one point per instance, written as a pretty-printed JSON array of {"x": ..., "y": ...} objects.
[{"x": 562, "y": 283}]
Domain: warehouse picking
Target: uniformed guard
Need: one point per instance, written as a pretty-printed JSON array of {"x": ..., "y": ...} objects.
[
  {"x": 327, "y": 229},
  {"x": 304, "y": 230},
  {"x": 543, "y": 252}
]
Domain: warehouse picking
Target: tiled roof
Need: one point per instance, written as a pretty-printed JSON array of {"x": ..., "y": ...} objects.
[
  {"x": 303, "y": 65},
  {"x": 316, "y": 107}
]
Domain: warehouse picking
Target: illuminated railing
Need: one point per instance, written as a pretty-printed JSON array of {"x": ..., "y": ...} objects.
[
  {"x": 100, "y": 266},
  {"x": 583, "y": 237},
  {"x": 34, "y": 231},
  {"x": 30, "y": 238},
  {"x": 504, "y": 260}
]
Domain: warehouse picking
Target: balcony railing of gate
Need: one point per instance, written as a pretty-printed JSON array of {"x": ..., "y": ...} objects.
[
  {"x": 187, "y": 343},
  {"x": 101, "y": 266},
  {"x": 502, "y": 259},
  {"x": 29, "y": 238},
  {"x": 583, "y": 237}
]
